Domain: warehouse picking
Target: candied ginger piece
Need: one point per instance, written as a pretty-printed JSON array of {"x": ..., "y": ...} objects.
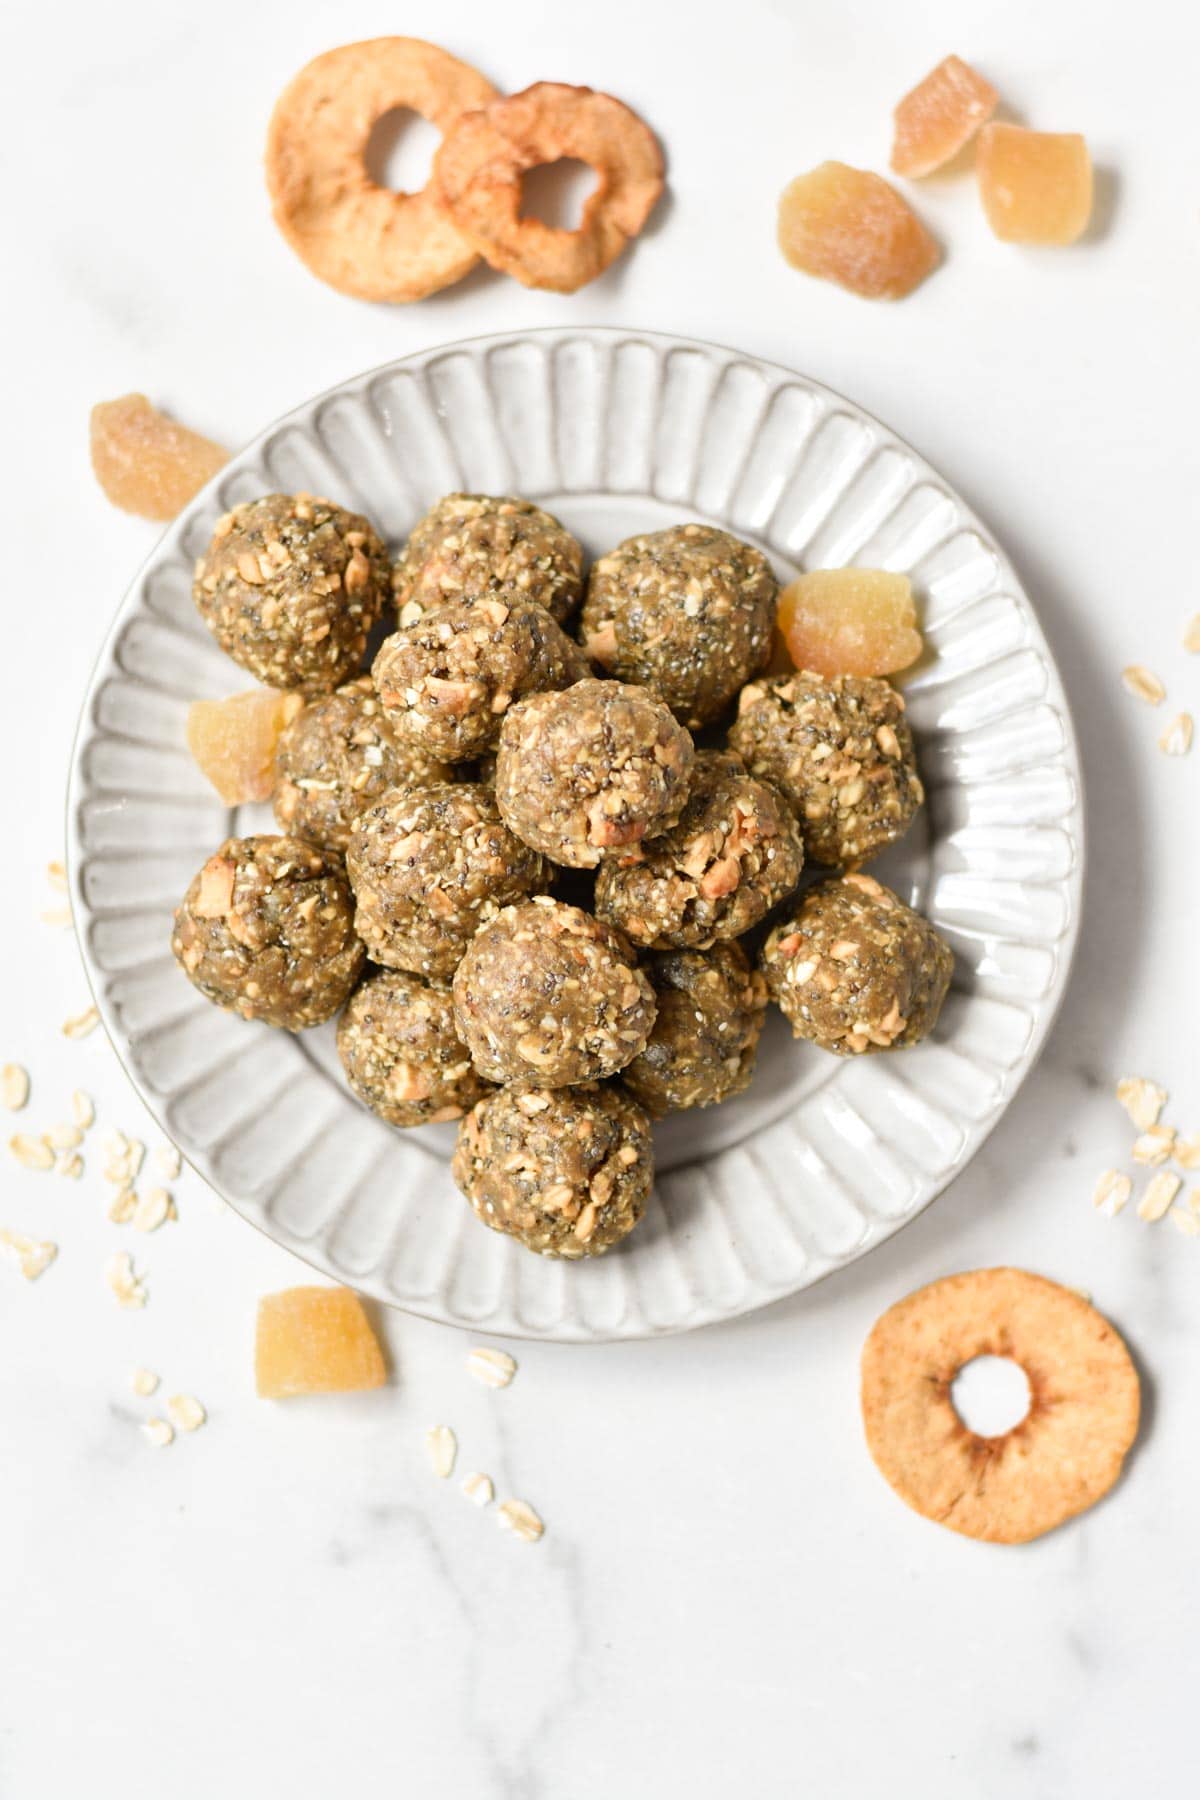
[
  {"x": 315, "y": 1340},
  {"x": 941, "y": 114},
  {"x": 850, "y": 622},
  {"x": 850, "y": 226},
  {"x": 145, "y": 462},
  {"x": 234, "y": 741},
  {"x": 1036, "y": 186}
]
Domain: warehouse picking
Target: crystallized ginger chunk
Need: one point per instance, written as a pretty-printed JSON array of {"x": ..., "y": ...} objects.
[
  {"x": 939, "y": 116},
  {"x": 850, "y": 226},
  {"x": 315, "y": 1340},
  {"x": 849, "y": 622},
  {"x": 1036, "y": 186},
  {"x": 234, "y": 741},
  {"x": 147, "y": 464}
]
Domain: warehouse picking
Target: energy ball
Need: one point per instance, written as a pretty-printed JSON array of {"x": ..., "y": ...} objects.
[
  {"x": 548, "y": 996},
  {"x": 428, "y": 866},
  {"x": 566, "y": 1174},
  {"x": 711, "y": 1007},
  {"x": 590, "y": 772},
  {"x": 290, "y": 588},
  {"x": 472, "y": 545},
  {"x": 401, "y": 1053},
  {"x": 856, "y": 970},
  {"x": 734, "y": 852},
  {"x": 448, "y": 680},
  {"x": 339, "y": 756},
  {"x": 266, "y": 930},
  {"x": 688, "y": 612},
  {"x": 841, "y": 753}
]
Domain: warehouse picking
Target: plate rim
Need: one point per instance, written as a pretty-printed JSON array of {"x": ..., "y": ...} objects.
[{"x": 1072, "y": 885}]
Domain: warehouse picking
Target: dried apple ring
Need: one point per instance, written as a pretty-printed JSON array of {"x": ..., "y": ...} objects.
[
  {"x": 361, "y": 238},
  {"x": 479, "y": 166},
  {"x": 1063, "y": 1456}
]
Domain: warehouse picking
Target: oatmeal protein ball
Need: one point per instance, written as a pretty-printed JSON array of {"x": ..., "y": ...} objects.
[
  {"x": 471, "y": 545},
  {"x": 711, "y": 1007},
  {"x": 428, "y": 866},
  {"x": 841, "y": 753},
  {"x": 548, "y": 996},
  {"x": 855, "y": 970},
  {"x": 565, "y": 1173},
  {"x": 290, "y": 588},
  {"x": 733, "y": 854},
  {"x": 401, "y": 1053},
  {"x": 688, "y": 612},
  {"x": 447, "y": 681},
  {"x": 339, "y": 756},
  {"x": 591, "y": 771},
  {"x": 266, "y": 930}
]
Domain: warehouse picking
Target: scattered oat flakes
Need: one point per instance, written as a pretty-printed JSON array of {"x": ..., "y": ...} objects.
[
  {"x": 143, "y": 1382},
  {"x": 14, "y": 1086},
  {"x": 1191, "y": 636},
  {"x": 158, "y": 1432},
  {"x": 122, "y": 1206},
  {"x": 1176, "y": 740},
  {"x": 1187, "y": 1151},
  {"x": 519, "y": 1518},
  {"x": 441, "y": 1446},
  {"x": 1154, "y": 1146},
  {"x": 494, "y": 1368},
  {"x": 31, "y": 1152},
  {"x": 32, "y": 1256},
  {"x": 186, "y": 1412},
  {"x": 63, "y": 1137},
  {"x": 56, "y": 875},
  {"x": 71, "y": 1166},
  {"x": 478, "y": 1489},
  {"x": 1143, "y": 1100},
  {"x": 128, "y": 1286},
  {"x": 1185, "y": 1220},
  {"x": 83, "y": 1109},
  {"x": 1161, "y": 1190},
  {"x": 57, "y": 915},
  {"x": 152, "y": 1209},
  {"x": 1112, "y": 1191},
  {"x": 1143, "y": 685},
  {"x": 82, "y": 1024},
  {"x": 168, "y": 1161}
]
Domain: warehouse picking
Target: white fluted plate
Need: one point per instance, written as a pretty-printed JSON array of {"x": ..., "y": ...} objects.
[{"x": 616, "y": 432}]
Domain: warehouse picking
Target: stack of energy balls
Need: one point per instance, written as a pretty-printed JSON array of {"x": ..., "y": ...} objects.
[{"x": 509, "y": 865}]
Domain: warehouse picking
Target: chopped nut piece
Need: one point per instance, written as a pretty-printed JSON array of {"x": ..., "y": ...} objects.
[
  {"x": 494, "y": 1368},
  {"x": 168, "y": 1161},
  {"x": 441, "y": 1446},
  {"x": 479, "y": 1489},
  {"x": 153, "y": 1209},
  {"x": 128, "y": 1287},
  {"x": 1176, "y": 740},
  {"x": 186, "y": 1412},
  {"x": 1143, "y": 1100},
  {"x": 1161, "y": 1190},
  {"x": 14, "y": 1086},
  {"x": 32, "y": 1256},
  {"x": 31, "y": 1152},
  {"x": 1154, "y": 1146},
  {"x": 82, "y": 1024},
  {"x": 1112, "y": 1191},
  {"x": 1143, "y": 685},
  {"x": 143, "y": 1382},
  {"x": 519, "y": 1518},
  {"x": 158, "y": 1433},
  {"x": 83, "y": 1109}
]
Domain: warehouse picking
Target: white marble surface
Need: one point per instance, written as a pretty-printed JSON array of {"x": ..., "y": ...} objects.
[{"x": 727, "y": 1595}]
